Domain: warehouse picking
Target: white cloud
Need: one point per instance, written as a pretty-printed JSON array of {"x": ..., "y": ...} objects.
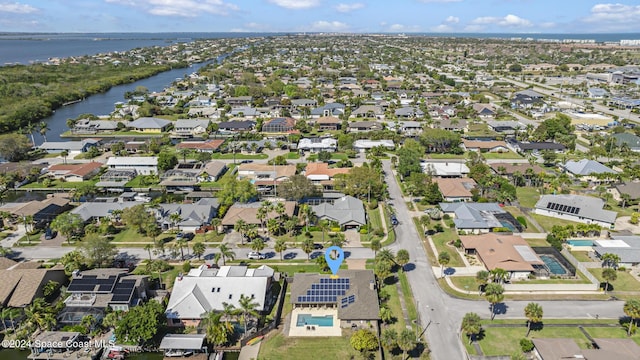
[
  {"x": 452, "y": 20},
  {"x": 183, "y": 8},
  {"x": 17, "y": 8},
  {"x": 442, "y": 28},
  {"x": 403, "y": 28},
  {"x": 614, "y": 17},
  {"x": 344, "y": 8},
  {"x": 507, "y": 21},
  {"x": 328, "y": 26},
  {"x": 296, "y": 4}
]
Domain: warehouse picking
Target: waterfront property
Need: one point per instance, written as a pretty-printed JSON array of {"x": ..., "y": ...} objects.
[
  {"x": 205, "y": 289},
  {"x": 322, "y": 304},
  {"x": 73, "y": 172},
  {"x": 149, "y": 125},
  {"x": 142, "y": 165},
  {"x": 584, "y": 209}
]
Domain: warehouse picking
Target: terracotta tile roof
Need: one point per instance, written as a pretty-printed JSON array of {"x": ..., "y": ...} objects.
[
  {"x": 76, "y": 169},
  {"x": 213, "y": 144},
  {"x": 328, "y": 120},
  {"x": 483, "y": 144},
  {"x": 501, "y": 251},
  {"x": 322, "y": 168},
  {"x": 455, "y": 187}
]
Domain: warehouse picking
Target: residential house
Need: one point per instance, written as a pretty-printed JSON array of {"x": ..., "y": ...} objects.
[
  {"x": 149, "y": 125},
  {"x": 86, "y": 126},
  {"x": 212, "y": 171},
  {"x": 96, "y": 211},
  {"x": 485, "y": 146},
  {"x": 368, "y": 111},
  {"x": 208, "y": 146},
  {"x": 92, "y": 292},
  {"x": 302, "y": 103},
  {"x": 247, "y": 112},
  {"x": 587, "y": 170},
  {"x": 73, "y": 172},
  {"x": 566, "y": 348},
  {"x": 188, "y": 128},
  {"x": 505, "y": 127},
  {"x": 508, "y": 252},
  {"x": 84, "y": 145},
  {"x": 315, "y": 145},
  {"x": 115, "y": 179},
  {"x": 279, "y": 125},
  {"x": 455, "y": 189},
  {"x": 478, "y": 218},
  {"x": 409, "y": 112},
  {"x": 484, "y": 111},
  {"x": 236, "y": 126},
  {"x": 445, "y": 169},
  {"x": 348, "y": 212},
  {"x": 359, "y": 126},
  {"x": 626, "y": 247},
  {"x": 629, "y": 190},
  {"x": 20, "y": 287},
  {"x": 239, "y": 101},
  {"x": 328, "y": 123},
  {"x": 328, "y": 110},
  {"x": 350, "y": 299},
  {"x": 535, "y": 146},
  {"x": 265, "y": 175},
  {"x": 363, "y": 144},
  {"x": 180, "y": 179},
  {"x": 206, "y": 289},
  {"x": 627, "y": 139},
  {"x": 320, "y": 174},
  {"x": 193, "y": 216},
  {"x": 142, "y": 165},
  {"x": 410, "y": 128},
  {"x": 42, "y": 212},
  {"x": 248, "y": 213},
  {"x": 450, "y": 124},
  {"x": 584, "y": 209},
  {"x": 526, "y": 99}
]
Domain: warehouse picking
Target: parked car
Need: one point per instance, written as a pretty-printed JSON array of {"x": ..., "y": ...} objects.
[
  {"x": 394, "y": 220},
  {"x": 254, "y": 255},
  {"x": 50, "y": 234},
  {"x": 318, "y": 246}
]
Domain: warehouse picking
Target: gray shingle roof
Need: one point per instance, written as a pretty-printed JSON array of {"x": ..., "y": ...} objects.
[
  {"x": 588, "y": 207},
  {"x": 148, "y": 123},
  {"x": 586, "y": 167},
  {"x": 474, "y": 215},
  {"x": 344, "y": 210}
]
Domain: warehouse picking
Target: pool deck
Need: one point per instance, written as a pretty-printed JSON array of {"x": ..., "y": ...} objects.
[{"x": 300, "y": 331}]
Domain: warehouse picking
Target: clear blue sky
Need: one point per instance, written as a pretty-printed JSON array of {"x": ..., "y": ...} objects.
[{"x": 489, "y": 16}]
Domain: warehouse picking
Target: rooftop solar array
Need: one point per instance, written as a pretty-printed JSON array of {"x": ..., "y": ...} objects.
[
  {"x": 346, "y": 301},
  {"x": 326, "y": 291},
  {"x": 563, "y": 208},
  {"x": 123, "y": 290},
  {"x": 91, "y": 283}
]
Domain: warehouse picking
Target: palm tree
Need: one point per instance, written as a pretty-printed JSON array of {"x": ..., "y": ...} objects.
[
  {"x": 308, "y": 247},
  {"x": 64, "y": 154},
  {"x": 290, "y": 224},
  {"x": 175, "y": 219},
  {"x": 533, "y": 312},
  {"x": 240, "y": 226},
  {"x": 215, "y": 223},
  {"x": 402, "y": 258},
  {"x": 307, "y": 212},
  {"x": 281, "y": 246},
  {"x": 199, "y": 248},
  {"x": 386, "y": 255},
  {"x": 247, "y": 307},
  {"x": 226, "y": 253},
  {"x": 182, "y": 242},
  {"x": 43, "y": 128},
  {"x": 375, "y": 246},
  {"x": 149, "y": 247},
  {"x": 279, "y": 209},
  {"x": 389, "y": 338},
  {"x": 609, "y": 275},
  {"x": 482, "y": 278},
  {"x": 610, "y": 260},
  {"x": 471, "y": 325},
  {"x": 228, "y": 310},
  {"x": 217, "y": 331},
  {"x": 495, "y": 294},
  {"x": 386, "y": 315},
  {"x": 632, "y": 309},
  {"x": 499, "y": 275},
  {"x": 29, "y": 129},
  {"x": 443, "y": 259},
  {"x": 406, "y": 341}
]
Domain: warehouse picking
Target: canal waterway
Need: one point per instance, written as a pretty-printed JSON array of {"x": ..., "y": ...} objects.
[{"x": 104, "y": 103}]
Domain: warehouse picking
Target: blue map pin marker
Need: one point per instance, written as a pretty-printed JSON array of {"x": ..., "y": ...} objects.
[{"x": 334, "y": 264}]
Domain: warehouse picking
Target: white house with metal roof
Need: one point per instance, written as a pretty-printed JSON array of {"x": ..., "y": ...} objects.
[
  {"x": 143, "y": 165},
  {"x": 205, "y": 289},
  {"x": 584, "y": 209}
]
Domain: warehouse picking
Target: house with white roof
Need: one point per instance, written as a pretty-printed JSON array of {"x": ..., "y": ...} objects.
[
  {"x": 584, "y": 209},
  {"x": 204, "y": 289},
  {"x": 445, "y": 169},
  {"x": 318, "y": 144},
  {"x": 626, "y": 247},
  {"x": 363, "y": 145},
  {"x": 143, "y": 165},
  {"x": 190, "y": 127}
]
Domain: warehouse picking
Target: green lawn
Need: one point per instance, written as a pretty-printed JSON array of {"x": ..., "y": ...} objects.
[
  {"x": 441, "y": 239},
  {"x": 503, "y": 155},
  {"x": 445, "y": 156},
  {"x": 537, "y": 242},
  {"x": 292, "y": 156},
  {"x": 624, "y": 282},
  {"x": 468, "y": 283},
  {"x": 339, "y": 156},
  {"x": 218, "y": 156},
  {"x": 57, "y": 184},
  {"x": 505, "y": 341},
  {"x": 138, "y": 182},
  {"x": 582, "y": 256},
  {"x": 281, "y": 347},
  {"x": 527, "y": 196},
  {"x": 548, "y": 222}
]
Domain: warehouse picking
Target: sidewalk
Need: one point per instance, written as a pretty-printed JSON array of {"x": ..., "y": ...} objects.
[
  {"x": 13, "y": 238},
  {"x": 250, "y": 352}
]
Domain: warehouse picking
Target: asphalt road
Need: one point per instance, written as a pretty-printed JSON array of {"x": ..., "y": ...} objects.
[{"x": 442, "y": 314}]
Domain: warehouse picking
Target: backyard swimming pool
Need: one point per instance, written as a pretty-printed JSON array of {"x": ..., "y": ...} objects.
[
  {"x": 308, "y": 319},
  {"x": 580, "y": 242},
  {"x": 553, "y": 264}
]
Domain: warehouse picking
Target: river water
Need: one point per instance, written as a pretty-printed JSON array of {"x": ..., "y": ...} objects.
[
  {"x": 104, "y": 103},
  {"x": 13, "y": 354}
]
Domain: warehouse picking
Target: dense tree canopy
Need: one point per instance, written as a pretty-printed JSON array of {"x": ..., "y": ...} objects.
[
  {"x": 297, "y": 187},
  {"x": 140, "y": 324},
  {"x": 14, "y": 147}
]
